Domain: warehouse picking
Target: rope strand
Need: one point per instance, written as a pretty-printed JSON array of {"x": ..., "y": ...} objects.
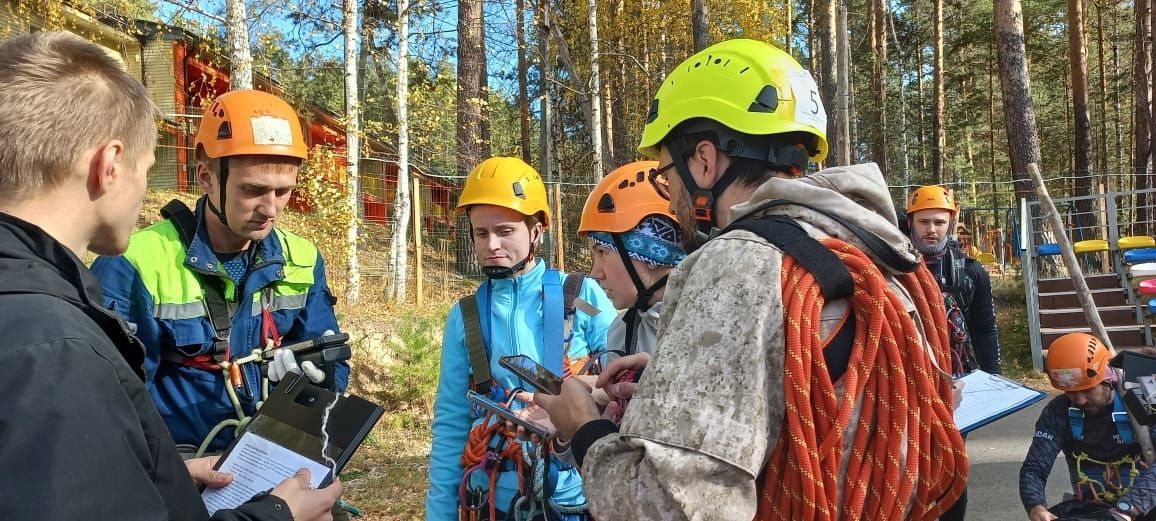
[{"x": 894, "y": 385}]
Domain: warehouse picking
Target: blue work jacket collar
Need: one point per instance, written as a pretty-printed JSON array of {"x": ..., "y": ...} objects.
[{"x": 200, "y": 256}]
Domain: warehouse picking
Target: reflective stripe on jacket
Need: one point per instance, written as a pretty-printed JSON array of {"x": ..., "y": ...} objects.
[{"x": 154, "y": 287}]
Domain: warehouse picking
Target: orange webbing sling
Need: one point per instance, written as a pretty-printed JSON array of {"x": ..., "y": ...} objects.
[{"x": 905, "y": 405}]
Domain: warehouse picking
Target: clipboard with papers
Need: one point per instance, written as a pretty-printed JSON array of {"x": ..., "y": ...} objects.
[
  {"x": 286, "y": 434},
  {"x": 988, "y": 397}
]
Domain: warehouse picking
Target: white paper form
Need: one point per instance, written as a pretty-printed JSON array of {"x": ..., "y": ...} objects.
[
  {"x": 258, "y": 465},
  {"x": 988, "y": 397}
]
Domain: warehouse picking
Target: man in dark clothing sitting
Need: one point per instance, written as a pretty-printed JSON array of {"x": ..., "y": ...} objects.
[{"x": 1091, "y": 426}]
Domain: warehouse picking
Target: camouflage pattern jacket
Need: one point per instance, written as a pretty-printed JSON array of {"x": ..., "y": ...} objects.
[{"x": 709, "y": 409}]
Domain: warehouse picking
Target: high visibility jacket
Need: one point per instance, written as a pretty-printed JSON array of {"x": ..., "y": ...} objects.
[{"x": 154, "y": 287}]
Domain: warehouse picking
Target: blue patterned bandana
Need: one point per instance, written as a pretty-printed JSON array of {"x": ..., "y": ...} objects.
[{"x": 656, "y": 241}]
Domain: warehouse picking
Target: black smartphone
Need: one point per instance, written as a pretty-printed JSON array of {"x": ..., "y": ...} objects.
[
  {"x": 505, "y": 413},
  {"x": 323, "y": 352},
  {"x": 533, "y": 373}
]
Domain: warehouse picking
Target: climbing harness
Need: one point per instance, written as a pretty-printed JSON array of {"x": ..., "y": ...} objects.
[
  {"x": 241, "y": 373},
  {"x": 1105, "y": 480},
  {"x": 492, "y": 448}
]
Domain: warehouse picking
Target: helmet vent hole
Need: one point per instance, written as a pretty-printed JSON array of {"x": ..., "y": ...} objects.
[
  {"x": 696, "y": 64},
  {"x": 606, "y": 204},
  {"x": 518, "y": 191},
  {"x": 717, "y": 61},
  {"x": 623, "y": 184},
  {"x": 639, "y": 177},
  {"x": 766, "y": 101},
  {"x": 745, "y": 69},
  {"x": 224, "y": 131}
]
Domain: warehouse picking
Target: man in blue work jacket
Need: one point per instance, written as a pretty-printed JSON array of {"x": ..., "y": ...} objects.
[{"x": 206, "y": 290}]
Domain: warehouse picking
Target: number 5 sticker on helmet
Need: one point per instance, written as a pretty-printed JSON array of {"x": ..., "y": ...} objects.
[{"x": 808, "y": 105}]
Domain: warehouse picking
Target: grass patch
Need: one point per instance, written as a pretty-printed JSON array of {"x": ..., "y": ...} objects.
[
  {"x": 1011, "y": 318},
  {"x": 397, "y": 356}
]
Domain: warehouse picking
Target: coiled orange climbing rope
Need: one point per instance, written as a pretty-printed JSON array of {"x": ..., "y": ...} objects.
[
  {"x": 901, "y": 398},
  {"x": 475, "y": 455}
]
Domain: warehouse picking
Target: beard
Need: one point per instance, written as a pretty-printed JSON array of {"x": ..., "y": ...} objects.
[{"x": 691, "y": 239}]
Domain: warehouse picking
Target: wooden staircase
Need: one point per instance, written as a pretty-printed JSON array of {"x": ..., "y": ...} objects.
[{"x": 1060, "y": 311}]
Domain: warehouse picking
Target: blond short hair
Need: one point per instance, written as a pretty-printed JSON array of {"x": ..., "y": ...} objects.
[{"x": 60, "y": 96}]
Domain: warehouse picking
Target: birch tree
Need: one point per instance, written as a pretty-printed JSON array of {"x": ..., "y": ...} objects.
[
  {"x": 240, "y": 59},
  {"x": 351, "y": 28},
  {"x": 399, "y": 254},
  {"x": 595, "y": 93}
]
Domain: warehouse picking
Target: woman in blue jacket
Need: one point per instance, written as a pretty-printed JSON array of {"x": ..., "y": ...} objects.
[{"x": 520, "y": 310}]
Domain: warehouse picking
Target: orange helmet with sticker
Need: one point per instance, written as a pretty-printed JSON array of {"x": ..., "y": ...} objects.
[
  {"x": 250, "y": 122},
  {"x": 1077, "y": 361}
]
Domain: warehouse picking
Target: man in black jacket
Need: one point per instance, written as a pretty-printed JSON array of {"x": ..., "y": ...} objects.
[
  {"x": 966, "y": 286},
  {"x": 931, "y": 215},
  {"x": 79, "y": 436}
]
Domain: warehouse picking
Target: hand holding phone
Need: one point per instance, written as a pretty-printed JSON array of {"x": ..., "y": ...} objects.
[{"x": 524, "y": 421}]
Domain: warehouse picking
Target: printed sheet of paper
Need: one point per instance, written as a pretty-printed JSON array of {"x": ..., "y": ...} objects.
[
  {"x": 988, "y": 397},
  {"x": 258, "y": 465}
]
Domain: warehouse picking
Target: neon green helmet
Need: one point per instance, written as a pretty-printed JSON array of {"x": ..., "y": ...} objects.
[{"x": 750, "y": 87}]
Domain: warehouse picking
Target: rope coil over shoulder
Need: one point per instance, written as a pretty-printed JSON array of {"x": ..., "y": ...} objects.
[{"x": 889, "y": 369}]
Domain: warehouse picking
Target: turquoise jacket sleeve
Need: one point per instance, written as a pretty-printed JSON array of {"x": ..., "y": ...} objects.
[
  {"x": 451, "y": 424},
  {"x": 595, "y": 328}
]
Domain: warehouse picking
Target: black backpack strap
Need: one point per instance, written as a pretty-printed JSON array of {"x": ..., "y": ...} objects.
[
  {"x": 874, "y": 243},
  {"x": 830, "y": 273},
  {"x": 220, "y": 314},
  {"x": 475, "y": 344}
]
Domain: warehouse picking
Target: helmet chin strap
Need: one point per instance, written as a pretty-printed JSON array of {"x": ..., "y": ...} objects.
[
  {"x": 222, "y": 181},
  {"x": 702, "y": 199},
  {"x": 642, "y": 303},
  {"x": 505, "y": 272}
]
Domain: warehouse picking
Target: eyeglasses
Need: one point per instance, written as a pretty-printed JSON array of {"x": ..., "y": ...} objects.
[{"x": 660, "y": 182}]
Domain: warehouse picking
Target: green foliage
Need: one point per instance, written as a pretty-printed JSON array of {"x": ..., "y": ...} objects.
[
  {"x": 1012, "y": 320},
  {"x": 321, "y": 185},
  {"x": 400, "y": 371}
]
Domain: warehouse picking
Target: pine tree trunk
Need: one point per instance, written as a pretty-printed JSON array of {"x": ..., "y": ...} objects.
[
  {"x": 829, "y": 78},
  {"x": 879, "y": 84},
  {"x": 1019, "y": 111},
  {"x": 523, "y": 95},
  {"x": 472, "y": 144},
  {"x": 1078, "y": 55},
  {"x": 939, "y": 152},
  {"x": 1102, "y": 158},
  {"x": 1142, "y": 161},
  {"x": 699, "y": 28}
]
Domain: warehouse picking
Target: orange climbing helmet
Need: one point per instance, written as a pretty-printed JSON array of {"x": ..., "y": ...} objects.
[
  {"x": 1077, "y": 361},
  {"x": 507, "y": 182},
  {"x": 250, "y": 122},
  {"x": 932, "y": 197},
  {"x": 623, "y": 199}
]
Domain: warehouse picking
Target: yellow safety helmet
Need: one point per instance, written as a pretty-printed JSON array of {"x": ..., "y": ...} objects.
[
  {"x": 507, "y": 182},
  {"x": 748, "y": 86},
  {"x": 932, "y": 198}
]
